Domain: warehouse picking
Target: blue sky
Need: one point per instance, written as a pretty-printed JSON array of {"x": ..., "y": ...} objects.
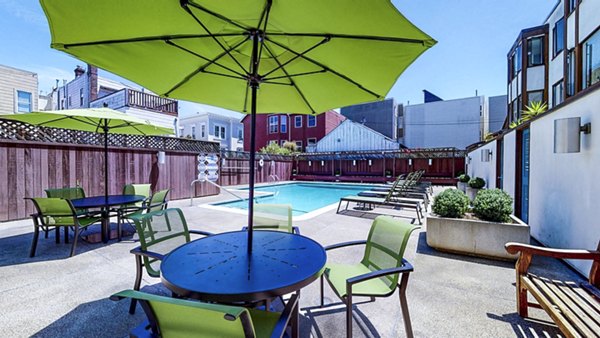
[{"x": 473, "y": 37}]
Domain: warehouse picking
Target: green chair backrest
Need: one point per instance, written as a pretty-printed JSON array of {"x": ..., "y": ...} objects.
[
  {"x": 273, "y": 217},
  {"x": 66, "y": 193},
  {"x": 174, "y": 318},
  {"x": 161, "y": 231},
  {"x": 385, "y": 246},
  {"x": 158, "y": 200},
  {"x": 137, "y": 189},
  {"x": 55, "y": 211}
]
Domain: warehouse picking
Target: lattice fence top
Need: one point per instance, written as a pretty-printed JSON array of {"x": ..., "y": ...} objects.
[
  {"x": 403, "y": 153},
  {"x": 17, "y": 131}
]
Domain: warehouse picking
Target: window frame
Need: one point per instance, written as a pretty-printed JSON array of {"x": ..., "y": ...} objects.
[
  {"x": 203, "y": 130},
  {"x": 283, "y": 124},
  {"x": 562, "y": 89},
  {"x": 309, "y": 143},
  {"x": 220, "y": 132},
  {"x": 296, "y": 119},
  {"x": 541, "y": 91},
  {"x": 273, "y": 124},
  {"x": 308, "y": 118},
  {"x": 298, "y": 145},
  {"x": 587, "y": 62},
  {"x": 555, "y": 38},
  {"x": 193, "y": 131},
  {"x": 18, "y": 102},
  {"x": 530, "y": 48}
]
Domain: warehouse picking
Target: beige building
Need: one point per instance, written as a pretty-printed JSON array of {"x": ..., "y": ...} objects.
[{"x": 18, "y": 90}]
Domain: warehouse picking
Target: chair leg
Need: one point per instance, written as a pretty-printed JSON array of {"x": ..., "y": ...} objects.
[
  {"x": 36, "y": 233},
  {"x": 322, "y": 289},
  {"x": 295, "y": 322},
  {"x": 119, "y": 223},
  {"x": 349, "y": 313},
  {"x": 138, "y": 281},
  {"x": 66, "y": 235},
  {"x": 56, "y": 235},
  {"x": 74, "y": 246},
  {"x": 404, "y": 305}
]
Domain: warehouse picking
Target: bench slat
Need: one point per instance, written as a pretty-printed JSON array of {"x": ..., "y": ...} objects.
[
  {"x": 586, "y": 302},
  {"x": 541, "y": 296},
  {"x": 576, "y": 304}
]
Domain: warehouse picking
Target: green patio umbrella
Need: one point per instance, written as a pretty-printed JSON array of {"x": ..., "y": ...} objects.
[
  {"x": 97, "y": 120},
  {"x": 252, "y": 56}
]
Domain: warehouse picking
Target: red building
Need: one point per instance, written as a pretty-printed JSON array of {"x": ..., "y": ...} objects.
[{"x": 298, "y": 128}]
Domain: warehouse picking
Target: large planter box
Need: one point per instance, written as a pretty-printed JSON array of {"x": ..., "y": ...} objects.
[
  {"x": 462, "y": 186},
  {"x": 475, "y": 237}
]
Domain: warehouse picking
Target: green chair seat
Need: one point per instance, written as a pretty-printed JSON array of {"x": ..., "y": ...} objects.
[
  {"x": 337, "y": 274},
  {"x": 175, "y": 318}
]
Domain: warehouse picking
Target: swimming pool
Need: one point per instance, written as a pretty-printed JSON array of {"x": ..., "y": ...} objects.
[{"x": 307, "y": 199}]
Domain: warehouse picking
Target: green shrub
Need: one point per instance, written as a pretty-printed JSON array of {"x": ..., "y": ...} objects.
[
  {"x": 451, "y": 203},
  {"x": 477, "y": 183},
  {"x": 463, "y": 178},
  {"x": 493, "y": 205}
]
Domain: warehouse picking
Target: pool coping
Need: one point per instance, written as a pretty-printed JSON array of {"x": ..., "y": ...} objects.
[{"x": 304, "y": 217}]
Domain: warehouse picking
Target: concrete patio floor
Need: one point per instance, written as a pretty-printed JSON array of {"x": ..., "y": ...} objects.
[{"x": 449, "y": 295}]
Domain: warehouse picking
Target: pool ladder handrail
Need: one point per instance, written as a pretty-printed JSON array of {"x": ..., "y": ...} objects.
[
  {"x": 213, "y": 183},
  {"x": 274, "y": 177}
]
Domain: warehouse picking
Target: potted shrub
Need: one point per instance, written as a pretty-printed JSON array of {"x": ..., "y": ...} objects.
[
  {"x": 474, "y": 185},
  {"x": 482, "y": 233},
  {"x": 338, "y": 172},
  {"x": 463, "y": 179},
  {"x": 294, "y": 172},
  {"x": 451, "y": 203},
  {"x": 388, "y": 173}
]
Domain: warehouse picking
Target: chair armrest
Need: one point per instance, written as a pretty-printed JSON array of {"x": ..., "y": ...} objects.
[
  {"x": 286, "y": 316},
  {"x": 514, "y": 248},
  {"x": 406, "y": 267},
  {"x": 344, "y": 244},
  {"x": 200, "y": 232},
  {"x": 138, "y": 251}
]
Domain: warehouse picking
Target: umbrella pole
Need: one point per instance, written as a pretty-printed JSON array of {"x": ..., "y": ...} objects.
[
  {"x": 253, "y": 82},
  {"x": 105, "y": 218}
]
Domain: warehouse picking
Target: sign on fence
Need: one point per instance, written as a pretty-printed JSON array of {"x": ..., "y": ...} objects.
[{"x": 208, "y": 167}]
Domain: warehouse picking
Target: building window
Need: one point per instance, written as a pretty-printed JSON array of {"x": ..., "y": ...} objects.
[
  {"x": 516, "y": 61},
  {"x": 557, "y": 93},
  {"x": 69, "y": 102},
  {"x": 571, "y": 5},
  {"x": 273, "y": 141},
  {"x": 516, "y": 109},
  {"x": 283, "y": 124},
  {"x": 311, "y": 141},
  {"x": 23, "y": 102},
  {"x": 194, "y": 132},
  {"x": 558, "y": 36},
  {"x": 297, "y": 121},
  {"x": 535, "y": 96},
  {"x": 571, "y": 73},
  {"x": 203, "y": 130},
  {"x": 591, "y": 60},
  {"x": 311, "y": 121},
  {"x": 240, "y": 134},
  {"x": 298, "y": 145},
  {"x": 281, "y": 142},
  {"x": 273, "y": 124},
  {"x": 219, "y": 132},
  {"x": 81, "y": 97},
  {"x": 535, "y": 51}
]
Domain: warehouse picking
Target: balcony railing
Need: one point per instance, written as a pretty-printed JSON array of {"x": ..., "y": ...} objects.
[{"x": 137, "y": 99}]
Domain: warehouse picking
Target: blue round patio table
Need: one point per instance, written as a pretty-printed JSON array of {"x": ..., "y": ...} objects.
[
  {"x": 218, "y": 268},
  {"x": 103, "y": 203}
]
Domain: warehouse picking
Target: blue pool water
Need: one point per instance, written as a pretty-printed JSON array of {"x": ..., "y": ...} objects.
[{"x": 304, "y": 197}]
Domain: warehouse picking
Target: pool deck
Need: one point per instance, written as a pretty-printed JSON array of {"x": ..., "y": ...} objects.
[{"x": 449, "y": 295}]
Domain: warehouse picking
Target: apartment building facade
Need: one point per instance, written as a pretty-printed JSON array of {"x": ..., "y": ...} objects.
[
  {"x": 301, "y": 129},
  {"x": 207, "y": 126},
  {"x": 381, "y": 116},
  {"x": 18, "y": 90}
]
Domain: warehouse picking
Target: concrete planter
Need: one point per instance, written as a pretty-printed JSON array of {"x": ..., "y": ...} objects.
[
  {"x": 471, "y": 192},
  {"x": 462, "y": 186},
  {"x": 475, "y": 237}
]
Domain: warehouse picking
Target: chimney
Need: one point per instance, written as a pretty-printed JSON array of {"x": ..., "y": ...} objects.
[
  {"x": 79, "y": 71},
  {"x": 93, "y": 82}
]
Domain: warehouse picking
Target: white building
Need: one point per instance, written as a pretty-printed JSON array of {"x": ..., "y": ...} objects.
[
  {"x": 88, "y": 90},
  {"x": 207, "y": 126},
  {"x": 18, "y": 90},
  {"x": 556, "y": 193},
  {"x": 353, "y": 136},
  {"x": 443, "y": 124}
]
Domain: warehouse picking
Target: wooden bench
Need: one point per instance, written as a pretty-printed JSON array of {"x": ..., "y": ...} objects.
[{"x": 573, "y": 306}]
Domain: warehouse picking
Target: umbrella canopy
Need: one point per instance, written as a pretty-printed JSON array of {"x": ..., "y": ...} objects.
[
  {"x": 253, "y": 56},
  {"x": 98, "y": 120}
]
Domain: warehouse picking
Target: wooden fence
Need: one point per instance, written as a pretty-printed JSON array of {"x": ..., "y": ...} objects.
[{"x": 235, "y": 171}]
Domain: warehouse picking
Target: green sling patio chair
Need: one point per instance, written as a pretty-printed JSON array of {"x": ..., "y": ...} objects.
[
  {"x": 174, "y": 318},
  {"x": 273, "y": 217},
  {"x": 128, "y": 209},
  {"x": 378, "y": 272},
  {"x": 157, "y": 202},
  {"x": 58, "y": 212},
  {"x": 160, "y": 232}
]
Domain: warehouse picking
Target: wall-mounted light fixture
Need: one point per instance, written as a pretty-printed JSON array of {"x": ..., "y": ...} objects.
[
  {"x": 468, "y": 159},
  {"x": 370, "y": 163},
  {"x": 354, "y": 162},
  {"x": 486, "y": 155},
  {"x": 322, "y": 163},
  {"x": 310, "y": 163},
  {"x": 161, "y": 157},
  {"x": 410, "y": 161},
  {"x": 430, "y": 161},
  {"x": 566, "y": 134}
]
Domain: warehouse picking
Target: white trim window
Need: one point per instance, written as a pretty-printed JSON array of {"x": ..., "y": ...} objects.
[
  {"x": 273, "y": 124},
  {"x": 311, "y": 121},
  {"x": 219, "y": 132},
  {"x": 311, "y": 141},
  {"x": 273, "y": 141},
  {"x": 298, "y": 145},
  {"x": 24, "y": 104},
  {"x": 240, "y": 134},
  {"x": 202, "y": 130},
  {"x": 194, "y": 132},
  {"x": 283, "y": 121},
  {"x": 298, "y": 121}
]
